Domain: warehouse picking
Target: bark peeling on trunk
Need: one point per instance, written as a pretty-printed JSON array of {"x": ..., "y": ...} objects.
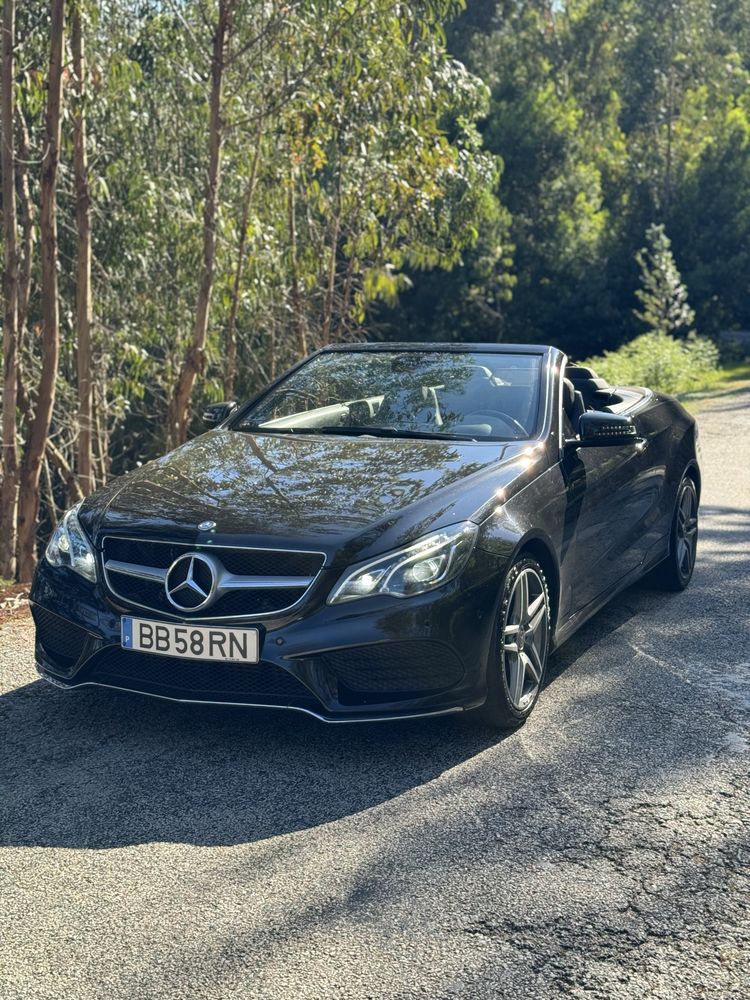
[
  {"x": 28, "y": 505},
  {"x": 83, "y": 267},
  {"x": 195, "y": 359},
  {"x": 9, "y": 491}
]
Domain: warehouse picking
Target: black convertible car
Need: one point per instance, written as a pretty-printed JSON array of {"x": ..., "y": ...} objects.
[{"x": 385, "y": 531}]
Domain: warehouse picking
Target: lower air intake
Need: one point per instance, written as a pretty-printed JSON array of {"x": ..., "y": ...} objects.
[
  {"x": 202, "y": 680},
  {"x": 414, "y": 667},
  {"x": 62, "y": 641}
]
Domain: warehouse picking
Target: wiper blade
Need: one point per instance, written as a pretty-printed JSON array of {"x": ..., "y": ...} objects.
[
  {"x": 262, "y": 429},
  {"x": 391, "y": 432},
  {"x": 346, "y": 431}
]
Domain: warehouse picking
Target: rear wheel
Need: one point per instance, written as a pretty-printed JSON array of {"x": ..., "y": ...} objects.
[
  {"x": 676, "y": 570},
  {"x": 518, "y": 653}
]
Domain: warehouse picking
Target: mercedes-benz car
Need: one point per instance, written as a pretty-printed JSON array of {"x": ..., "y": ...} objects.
[{"x": 387, "y": 530}]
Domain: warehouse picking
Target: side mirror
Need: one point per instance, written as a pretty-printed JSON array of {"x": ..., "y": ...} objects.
[
  {"x": 217, "y": 413},
  {"x": 602, "y": 430}
]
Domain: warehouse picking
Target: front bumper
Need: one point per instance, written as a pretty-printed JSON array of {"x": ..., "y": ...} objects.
[{"x": 378, "y": 658}]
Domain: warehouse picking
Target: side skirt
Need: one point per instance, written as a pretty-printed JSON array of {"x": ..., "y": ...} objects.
[{"x": 568, "y": 628}]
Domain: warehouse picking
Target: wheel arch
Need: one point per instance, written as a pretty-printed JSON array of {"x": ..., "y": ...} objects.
[
  {"x": 694, "y": 473},
  {"x": 540, "y": 548}
]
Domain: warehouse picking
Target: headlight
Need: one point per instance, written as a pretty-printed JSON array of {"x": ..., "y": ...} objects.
[
  {"x": 70, "y": 547},
  {"x": 415, "y": 569}
]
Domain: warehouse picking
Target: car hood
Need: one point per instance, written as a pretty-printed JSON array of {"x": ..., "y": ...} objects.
[{"x": 306, "y": 491}]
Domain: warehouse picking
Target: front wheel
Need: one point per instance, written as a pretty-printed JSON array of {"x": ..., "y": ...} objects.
[{"x": 518, "y": 652}]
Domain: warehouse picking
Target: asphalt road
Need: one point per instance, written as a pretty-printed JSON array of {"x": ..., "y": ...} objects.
[{"x": 602, "y": 852}]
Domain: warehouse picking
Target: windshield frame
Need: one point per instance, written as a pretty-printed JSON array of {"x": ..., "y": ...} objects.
[{"x": 546, "y": 355}]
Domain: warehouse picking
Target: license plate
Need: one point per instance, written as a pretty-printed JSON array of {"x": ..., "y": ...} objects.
[{"x": 191, "y": 642}]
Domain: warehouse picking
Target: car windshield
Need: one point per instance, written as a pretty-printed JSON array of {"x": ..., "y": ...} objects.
[{"x": 437, "y": 394}]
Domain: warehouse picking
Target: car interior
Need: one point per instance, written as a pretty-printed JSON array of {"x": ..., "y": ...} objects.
[
  {"x": 583, "y": 390},
  {"x": 477, "y": 403}
]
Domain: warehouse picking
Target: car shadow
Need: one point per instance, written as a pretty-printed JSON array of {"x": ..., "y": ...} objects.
[{"x": 100, "y": 769}]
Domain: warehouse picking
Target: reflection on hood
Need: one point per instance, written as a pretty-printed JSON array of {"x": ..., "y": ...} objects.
[{"x": 296, "y": 487}]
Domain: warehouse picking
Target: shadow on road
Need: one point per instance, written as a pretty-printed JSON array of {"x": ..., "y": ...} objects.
[{"x": 102, "y": 769}]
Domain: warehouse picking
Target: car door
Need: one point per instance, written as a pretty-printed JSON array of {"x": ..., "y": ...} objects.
[{"x": 608, "y": 495}]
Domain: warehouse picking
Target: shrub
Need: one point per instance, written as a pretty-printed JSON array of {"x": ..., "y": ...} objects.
[{"x": 660, "y": 362}]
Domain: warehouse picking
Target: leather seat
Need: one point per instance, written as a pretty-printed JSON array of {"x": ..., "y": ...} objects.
[
  {"x": 573, "y": 403},
  {"x": 587, "y": 382}
]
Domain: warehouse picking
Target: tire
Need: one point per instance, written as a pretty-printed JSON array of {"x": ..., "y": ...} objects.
[
  {"x": 675, "y": 572},
  {"x": 515, "y": 677}
]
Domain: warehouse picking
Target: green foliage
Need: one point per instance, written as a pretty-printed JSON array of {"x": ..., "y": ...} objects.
[
  {"x": 350, "y": 112},
  {"x": 607, "y": 115},
  {"x": 660, "y": 362},
  {"x": 499, "y": 190}
]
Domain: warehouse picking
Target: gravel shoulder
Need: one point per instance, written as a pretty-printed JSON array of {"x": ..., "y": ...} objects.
[{"x": 148, "y": 850}]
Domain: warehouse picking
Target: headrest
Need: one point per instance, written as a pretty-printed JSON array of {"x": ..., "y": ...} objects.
[
  {"x": 577, "y": 373},
  {"x": 568, "y": 395}
]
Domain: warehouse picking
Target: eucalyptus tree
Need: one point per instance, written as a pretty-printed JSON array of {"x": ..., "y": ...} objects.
[
  {"x": 9, "y": 490},
  {"x": 83, "y": 292},
  {"x": 233, "y": 184},
  {"x": 370, "y": 165},
  {"x": 193, "y": 364},
  {"x": 38, "y": 431}
]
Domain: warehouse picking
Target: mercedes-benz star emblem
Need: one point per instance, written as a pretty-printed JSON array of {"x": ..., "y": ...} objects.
[
  {"x": 207, "y": 526},
  {"x": 191, "y": 581}
]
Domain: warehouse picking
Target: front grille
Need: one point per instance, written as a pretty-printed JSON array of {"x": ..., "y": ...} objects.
[
  {"x": 204, "y": 680},
  {"x": 61, "y": 640},
  {"x": 412, "y": 667},
  {"x": 232, "y": 605},
  {"x": 241, "y": 562}
]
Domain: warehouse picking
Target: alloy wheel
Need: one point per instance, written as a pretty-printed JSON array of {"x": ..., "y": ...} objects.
[
  {"x": 525, "y": 638},
  {"x": 687, "y": 530}
]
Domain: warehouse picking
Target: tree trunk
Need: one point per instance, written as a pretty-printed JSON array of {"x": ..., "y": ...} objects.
[
  {"x": 272, "y": 348},
  {"x": 99, "y": 437},
  {"x": 230, "y": 371},
  {"x": 28, "y": 507},
  {"x": 346, "y": 297},
  {"x": 83, "y": 271},
  {"x": 298, "y": 322},
  {"x": 52, "y": 452},
  {"x": 178, "y": 411},
  {"x": 330, "y": 285},
  {"x": 49, "y": 494},
  {"x": 72, "y": 486},
  {"x": 26, "y": 218},
  {"x": 9, "y": 490}
]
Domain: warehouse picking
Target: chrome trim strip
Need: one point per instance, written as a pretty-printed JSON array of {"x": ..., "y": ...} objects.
[
  {"x": 153, "y": 573},
  {"x": 252, "y": 704},
  {"x": 226, "y": 581},
  {"x": 207, "y": 548},
  {"x": 560, "y": 419}
]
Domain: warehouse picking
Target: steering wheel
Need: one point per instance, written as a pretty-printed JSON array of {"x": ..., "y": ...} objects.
[{"x": 508, "y": 420}]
